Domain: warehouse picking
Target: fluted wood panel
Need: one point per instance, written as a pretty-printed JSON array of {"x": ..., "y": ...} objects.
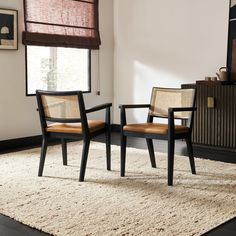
[{"x": 215, "y": 126}]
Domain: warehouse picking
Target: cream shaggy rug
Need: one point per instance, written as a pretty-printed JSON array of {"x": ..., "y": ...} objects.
[{"x": 106, "y": 204}]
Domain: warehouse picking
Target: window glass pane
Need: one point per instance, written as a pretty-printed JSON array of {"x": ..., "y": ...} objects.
[{"x": 57, "y": 69}]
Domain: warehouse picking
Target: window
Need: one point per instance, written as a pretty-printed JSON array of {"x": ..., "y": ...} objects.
[
  {"x": 57, "y": 69},
  {"x": 59, "y": 35}
]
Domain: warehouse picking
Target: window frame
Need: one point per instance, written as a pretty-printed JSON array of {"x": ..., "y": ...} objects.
[{"x": 26, "y": 72}]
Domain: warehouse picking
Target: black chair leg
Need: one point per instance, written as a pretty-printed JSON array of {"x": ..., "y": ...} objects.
[
  {"x": 151, "y": 152},
  {"x": 190, "y": 154},
  {"x": 84, "y": 159},
  {"x": 171, "y": 150},
  {"x": 64, "y": 151},
  {"x": 123, "y": 154},
  {"x": 108, "y": 148},
  {"x": 42, "y": 156}
]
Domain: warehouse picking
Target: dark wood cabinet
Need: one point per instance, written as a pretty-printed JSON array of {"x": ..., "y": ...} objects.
[{"x": 215, "y": 126}]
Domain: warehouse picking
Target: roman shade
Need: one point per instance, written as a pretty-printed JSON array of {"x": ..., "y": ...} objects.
[{"x": 61, "y": 23}]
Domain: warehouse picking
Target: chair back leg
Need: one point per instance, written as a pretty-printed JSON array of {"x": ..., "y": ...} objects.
[
  {"x": 123, "y": 154},
  {"x": 42, "y": 156},
  {"x": 151, "y": 152},
  {"x": 64, "y": 151},
  {"x": 171, "y": 150},
  {"x": 108, "y": 148},
  {"x": 190, "y": 154},
  {"x": 84, "y": 159}
]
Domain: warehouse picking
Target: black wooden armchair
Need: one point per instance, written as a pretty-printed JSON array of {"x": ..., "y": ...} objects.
[
  {"x": 63, "y": 115},
  {"x": 165, "y": 103}
]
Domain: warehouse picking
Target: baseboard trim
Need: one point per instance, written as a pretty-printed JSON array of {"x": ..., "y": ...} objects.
[
  {"x": 202, "y": 151},
  {"x": 115, "y": 128},
  {"x": 20, "y": 143},
  {"x": 214, "y": 153}
]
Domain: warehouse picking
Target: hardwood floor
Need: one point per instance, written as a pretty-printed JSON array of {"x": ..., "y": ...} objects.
[
  {"x": 226, "y": 229},
  {"x": 10, "y": 227}
]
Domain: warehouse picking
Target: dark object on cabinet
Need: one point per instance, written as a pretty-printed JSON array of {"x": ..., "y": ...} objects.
[
  {"x": 165, "y": 103},
  {"x": 63, "y": 115},
  {"x": 215, "y": 124}
]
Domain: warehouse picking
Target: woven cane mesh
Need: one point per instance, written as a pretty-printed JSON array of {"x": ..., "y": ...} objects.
[
  {"x": 61, "y": 107},
  {"x": 162, "y": 99}
]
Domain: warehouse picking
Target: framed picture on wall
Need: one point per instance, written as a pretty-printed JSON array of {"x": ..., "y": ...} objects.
[{"x": 8, "y": 29}]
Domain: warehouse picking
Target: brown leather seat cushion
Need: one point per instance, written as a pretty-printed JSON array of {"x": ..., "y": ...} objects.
[
  {"x": 75, "y": 128},
  {"x": 152, "y": 128}
]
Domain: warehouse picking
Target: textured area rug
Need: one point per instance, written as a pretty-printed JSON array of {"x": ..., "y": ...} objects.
[{"x": 106, "y": 204}]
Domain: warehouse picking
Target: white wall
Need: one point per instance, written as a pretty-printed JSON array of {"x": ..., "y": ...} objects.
[
  {"x": 157, "y": 43},
  {"x": 18, "y": 116},
  {"x": 165, "y": 43}
]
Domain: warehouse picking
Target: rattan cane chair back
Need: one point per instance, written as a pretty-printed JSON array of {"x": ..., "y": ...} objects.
[
  {"x": 61, "y": 107},
  {"x": 164, "y": 98}
]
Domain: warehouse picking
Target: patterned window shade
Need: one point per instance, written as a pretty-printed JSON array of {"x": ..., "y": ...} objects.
[{"x": 61, "y": 23}]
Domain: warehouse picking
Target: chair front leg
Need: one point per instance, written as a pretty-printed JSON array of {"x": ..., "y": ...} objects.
[
  {"x": 151, "y": 152},
  {"x": 108, "y": 147},
  {"x": 123, "y": 154},
  {"x": 84, "y": 159},
  {"x": 64, "y": 151},
  {"x": 42, "y": 156},
  {"x": 190, "y": 154},
  {"x": 171, "y": 150}
]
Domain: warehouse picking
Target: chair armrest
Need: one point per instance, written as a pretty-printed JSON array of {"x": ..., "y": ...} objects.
[
  {"x": 125, "y": 106},
  {"x": 171, "y": 118},
  {"x": 179, "y": 109},
  {"x": 99, "y": 107}
]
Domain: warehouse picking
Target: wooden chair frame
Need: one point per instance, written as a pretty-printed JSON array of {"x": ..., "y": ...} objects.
[
  {"x": 171, "y": 136},
  {"x": 86, "y": 135}
]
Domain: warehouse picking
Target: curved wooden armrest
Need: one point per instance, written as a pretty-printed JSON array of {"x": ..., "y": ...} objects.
[
  {"x": 127, "y": 106},
  {"x": 179, "y": 109},
  {"x": 98, "y": 107}
]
